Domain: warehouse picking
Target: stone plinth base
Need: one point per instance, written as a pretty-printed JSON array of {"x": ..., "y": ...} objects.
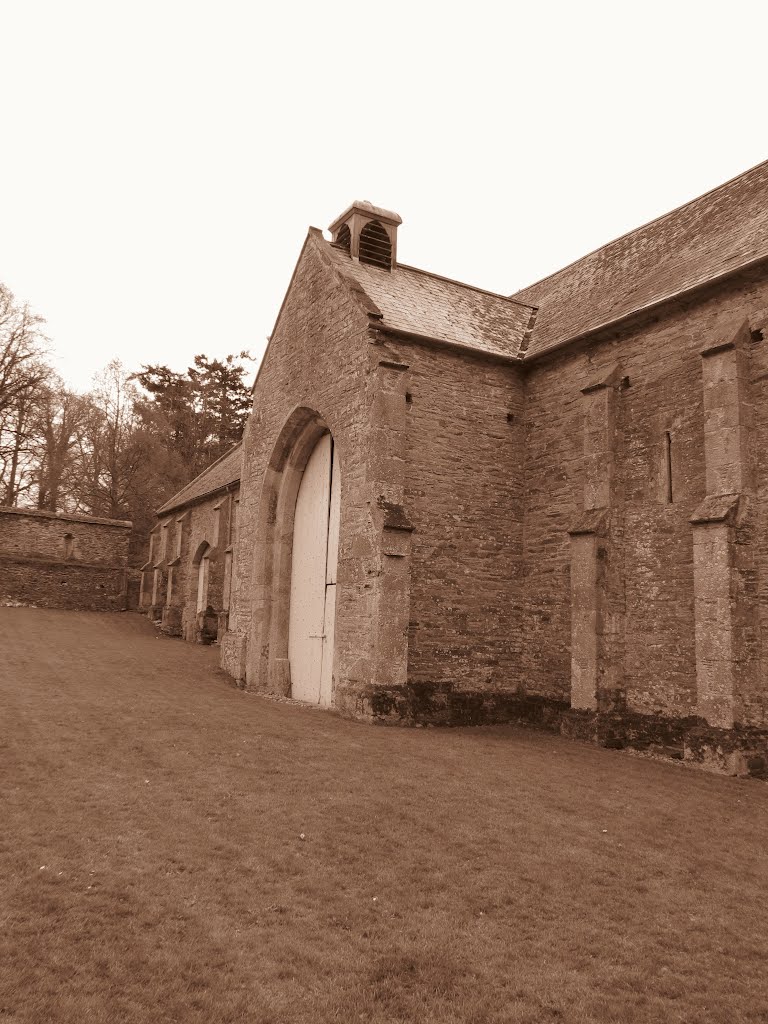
[
  {"x": 234, "y": 647},
  {"x": 171, "y": 621},
  {"x": 739, "y": 751},
  {"x": 206, "y": 627}
]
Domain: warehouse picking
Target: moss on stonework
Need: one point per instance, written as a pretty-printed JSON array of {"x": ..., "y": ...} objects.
[
  {"x": 441, "y": 704},
  {"x": 740, "y": 751}
]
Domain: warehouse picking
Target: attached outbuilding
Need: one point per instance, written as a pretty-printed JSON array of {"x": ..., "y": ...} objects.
[{"x": 187, "y": 578}]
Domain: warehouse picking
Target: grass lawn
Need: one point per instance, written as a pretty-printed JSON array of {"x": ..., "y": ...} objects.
[{"x": 172, "y": 849}]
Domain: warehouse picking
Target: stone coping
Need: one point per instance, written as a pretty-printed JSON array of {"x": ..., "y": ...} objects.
[{"x": 39, "y": 513}]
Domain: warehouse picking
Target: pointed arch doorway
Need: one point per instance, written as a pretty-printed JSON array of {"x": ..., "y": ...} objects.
[{"x": 314, "y": 560}]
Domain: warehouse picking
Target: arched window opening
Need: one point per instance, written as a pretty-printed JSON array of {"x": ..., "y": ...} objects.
[
  {"x": 344, "y": 238},
  {"x": 375, "y": 246},
  {"x": 69, "y": 545}
]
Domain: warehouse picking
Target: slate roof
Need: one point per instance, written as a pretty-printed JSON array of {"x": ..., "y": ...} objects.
[
  {"x": 417, "y": 302},
  {"x": 719, "y": 232},
  {"x": 220, "y": 474}
]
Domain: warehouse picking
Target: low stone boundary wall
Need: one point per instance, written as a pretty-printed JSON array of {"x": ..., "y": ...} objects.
[{"x": 76, "y": 586}]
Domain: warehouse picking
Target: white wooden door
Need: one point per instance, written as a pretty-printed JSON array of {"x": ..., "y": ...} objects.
[
  {"x": 331, "y": 563},
  {"x": 308, "y": 575}
]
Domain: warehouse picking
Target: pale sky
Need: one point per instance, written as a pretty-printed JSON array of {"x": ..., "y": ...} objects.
[{"x": 161, "y": 161}]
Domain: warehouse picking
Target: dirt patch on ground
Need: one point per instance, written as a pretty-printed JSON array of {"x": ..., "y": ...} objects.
[{"x": 174, "y": 849}]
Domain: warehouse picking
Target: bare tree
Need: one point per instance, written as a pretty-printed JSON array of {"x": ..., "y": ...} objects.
[
  {"x": 58, "y": 420},
  {"x": 15, "y": 448},
  {"x": 21, "y": 348},
  {"x": 122, "y": 468},
  {"x": 112, "y": 445},
  {"x": 22, "y": 372}
]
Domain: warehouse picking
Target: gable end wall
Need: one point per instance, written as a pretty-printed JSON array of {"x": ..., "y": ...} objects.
[{"x": 320, "y": 358}]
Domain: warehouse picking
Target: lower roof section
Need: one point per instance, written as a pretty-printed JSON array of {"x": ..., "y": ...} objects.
[{"x": 223, "y": 473}]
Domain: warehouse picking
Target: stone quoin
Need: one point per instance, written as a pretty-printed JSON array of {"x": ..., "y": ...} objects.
[{"x": 551, "y": 506}]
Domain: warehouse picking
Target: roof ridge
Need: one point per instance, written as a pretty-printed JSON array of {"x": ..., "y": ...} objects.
[{"x": 641, "y": 227}]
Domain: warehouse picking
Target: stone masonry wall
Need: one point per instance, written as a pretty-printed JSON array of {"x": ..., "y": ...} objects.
[
  {"x": 756, "y": 701},
  {"x": 178, "y": 542},
  {"x": 93, "y": 588},
  {"x": 479, "y": 500},
  {"x": 320, "y": 359},
  {"x": 207, "y": 524},
  {"x": 63, "y": 561},
  {"x": 647, "y": 553},
  {"x": 463, "y": 496},
  {"x": 40, "y": 534}
]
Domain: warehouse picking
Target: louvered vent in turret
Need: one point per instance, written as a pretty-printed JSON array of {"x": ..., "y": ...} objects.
[
  {"x": 368, "y": 234},
  {"x": 375, "y": 246},
  {"x": 343, "y": 238}
]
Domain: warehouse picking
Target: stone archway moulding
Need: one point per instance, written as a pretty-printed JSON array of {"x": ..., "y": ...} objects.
[
  {"x": 267, "y": 667},
  {"x": 202, "y": 547}
]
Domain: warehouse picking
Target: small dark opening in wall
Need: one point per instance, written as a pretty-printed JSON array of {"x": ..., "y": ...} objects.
[
  {"x": 757, "y": 334},
  {"x": 408, "y": 398},
  {"x": 510, "y": 417},
  {"x": 668, "y": 466},
  {"x": 69, "y": 545}
]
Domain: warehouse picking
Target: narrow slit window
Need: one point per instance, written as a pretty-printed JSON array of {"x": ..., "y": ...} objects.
[{"x": 668, "y": 467}]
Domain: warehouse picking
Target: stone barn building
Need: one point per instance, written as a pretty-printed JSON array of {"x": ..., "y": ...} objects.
[
  {"x": 186, "y": 580},
  {"x": 57, "y": 560},
  {"x": 464, "y": 507}
]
